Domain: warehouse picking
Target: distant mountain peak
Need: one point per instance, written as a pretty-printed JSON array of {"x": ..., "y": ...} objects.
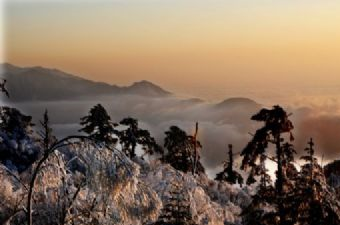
[
  {"x": 237, "y": 101},
  {"x": 12, "y": 69},
  {"x": 5, "y": 64},
  {"x": 143, "y": 82},
  {"x": 145, "y": 87},
  {"x": 9, "y": 68}
]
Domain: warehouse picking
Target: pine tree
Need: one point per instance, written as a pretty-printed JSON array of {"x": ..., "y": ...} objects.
[
  {"x": 133, "y": 135},
  {"x": 176, "y": 210},
  {"x": 289, "y": 170},
  {"x": 311, "y": 161},
  {"x": 17, "y": 128},
  {"x": 276, "y": 122},
  {"x": 265, "y": 179},
  {"x": 3, "y": 88},
  {"x": 260, "y": 170},
  {"x": 98, "y": 125},
  {"x": 264, "y": 198},
  {"x": 315, "y": 201},
  {"x": 46, "y": 136},
  {"x": 182, "y": 153},
  {"x": 229, "y": 174},
  {"x": 14, "y": 123}
]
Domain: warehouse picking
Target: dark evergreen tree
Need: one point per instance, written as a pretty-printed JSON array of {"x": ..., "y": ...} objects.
[
  {"x": 314, "y": 201},
  {"x": 46, "y": 136},
  {"x": 196, "y": 148},
  {"x": 98, "y": 125},
  {"x": 17, "y": 142},
  {"x": 14, "y": 123},
  {"x": 311, "y": 161},
  {"x": 265, "y": 179},
  {"x": 176, "y": 210},
  {"x": 255, "y": 213},
  {"x": 289, "y": 170},
  {"x": 3, "y": 87},
  {"x": 229, "y": 174},
  {"x": 306, "y": 199},
  {"x": 182, "y": 150},
  {"x": 276, "y": 122},
  {"x": 133, "y": 135}
]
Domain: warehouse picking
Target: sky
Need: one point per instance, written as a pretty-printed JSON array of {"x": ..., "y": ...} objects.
[{"x": 209, "y": 49}]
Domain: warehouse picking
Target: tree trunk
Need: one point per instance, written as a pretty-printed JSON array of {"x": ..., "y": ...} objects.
[
  {"x": 133, "y": 150},
  {"x": 194, "y": 166},
  {"x": 279, "y": 181}
]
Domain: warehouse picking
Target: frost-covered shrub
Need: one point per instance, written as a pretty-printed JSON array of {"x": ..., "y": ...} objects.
[
  {"x": 204, "y": 194},
  {"x": 11, "y": 196},
  {"x": 63, "y": 196}
]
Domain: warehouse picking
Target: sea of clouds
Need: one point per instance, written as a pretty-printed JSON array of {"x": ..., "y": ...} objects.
[{"x": 218, "y": 126}]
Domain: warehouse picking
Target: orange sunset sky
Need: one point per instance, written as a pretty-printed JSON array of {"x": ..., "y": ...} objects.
[{"x": 181, "y": 45}]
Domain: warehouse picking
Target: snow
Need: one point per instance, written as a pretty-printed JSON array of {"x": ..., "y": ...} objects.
[
  {"x": 135, "y": 198},
  {"x": 211, "y": 203}
]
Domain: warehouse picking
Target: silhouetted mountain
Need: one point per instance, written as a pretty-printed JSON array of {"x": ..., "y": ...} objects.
[
  {"x": 38, "y": 83},
  {"x": 237, "y": 102},
  {"x": 145, "y": 88}
]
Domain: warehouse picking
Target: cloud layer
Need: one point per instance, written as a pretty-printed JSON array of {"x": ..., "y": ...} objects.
[{"x": 218, "y": 126}]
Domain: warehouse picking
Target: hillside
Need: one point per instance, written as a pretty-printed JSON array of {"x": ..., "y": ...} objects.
[{"x": 38, "y": 83}]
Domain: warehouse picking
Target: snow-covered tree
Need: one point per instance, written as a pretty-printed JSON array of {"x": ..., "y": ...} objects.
[
  {"x": 12, "y": 196},
  {"x": 314, "y": 202},
  {"x": 262, "y": 209},
  {"x": 176, "y": 210},
  {"x": 49, "y": 146},
  {"x": 289, "y": 170}
]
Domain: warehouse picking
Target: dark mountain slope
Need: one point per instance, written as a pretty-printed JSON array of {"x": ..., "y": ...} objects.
[{"x": 38, "y": 83}]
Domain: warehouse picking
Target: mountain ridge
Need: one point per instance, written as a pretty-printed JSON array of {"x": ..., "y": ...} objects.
[
  {"x": 37, "y": 83},
  {"x": 40, "y": 83},
  {"x": 237, "y": 102}
]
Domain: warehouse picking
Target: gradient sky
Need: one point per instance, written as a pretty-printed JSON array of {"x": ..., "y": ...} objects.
[{"x": 185, "y": 46}]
